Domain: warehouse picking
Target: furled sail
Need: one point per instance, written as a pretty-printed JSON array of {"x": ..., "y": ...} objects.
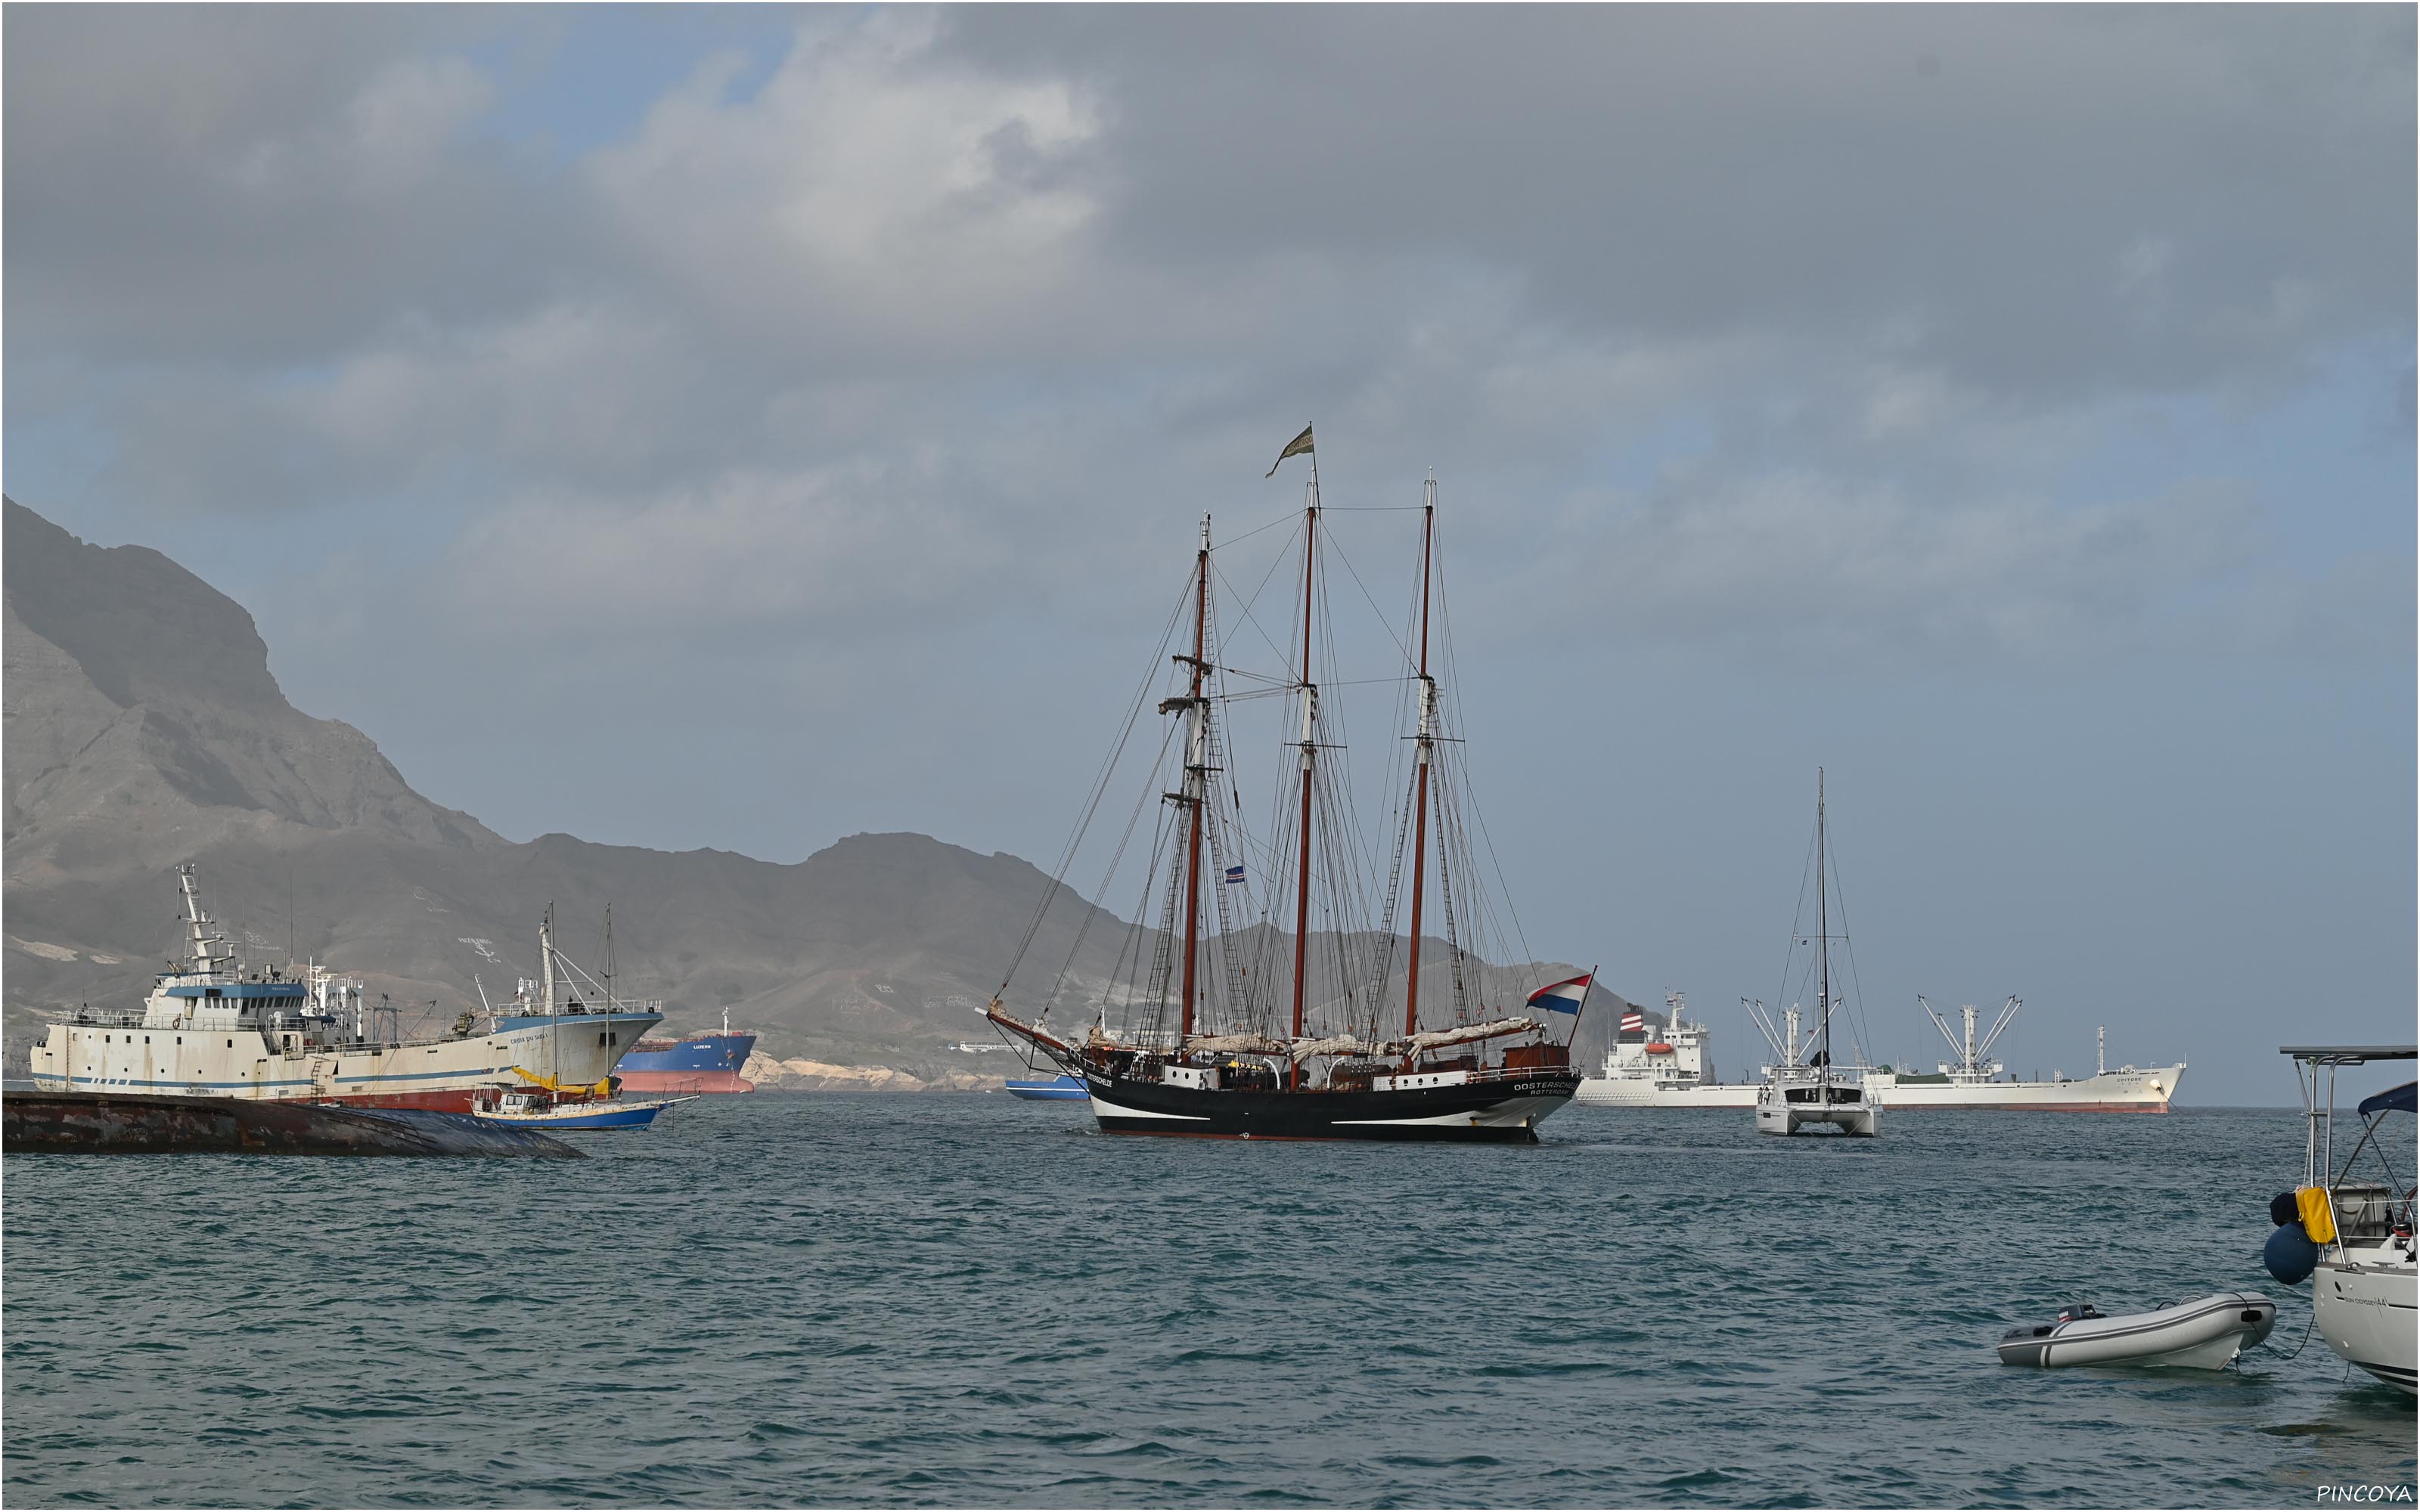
[
  {"x": 1463, "y": 1033},
  {"x": 1339, "y": 1044},
  {"x": 1236, "y": 1044}
]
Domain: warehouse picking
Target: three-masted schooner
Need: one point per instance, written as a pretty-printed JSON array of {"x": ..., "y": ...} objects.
[{"x": 1233, "y": 1027}]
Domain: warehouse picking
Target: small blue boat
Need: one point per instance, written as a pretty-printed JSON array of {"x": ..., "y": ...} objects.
[
  {"x": 534, "y": 1109},
  {"x": 1057, "y": 1090}
]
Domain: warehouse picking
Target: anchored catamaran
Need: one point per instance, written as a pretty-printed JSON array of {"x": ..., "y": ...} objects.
[
  {"x": 1207, "y": 1047},
  {"x": 1800, "y": 1094},
  {"x": 212, "y": 1028}
]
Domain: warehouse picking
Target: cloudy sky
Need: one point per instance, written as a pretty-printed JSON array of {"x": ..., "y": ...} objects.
[{"x": 748, "y": 427}]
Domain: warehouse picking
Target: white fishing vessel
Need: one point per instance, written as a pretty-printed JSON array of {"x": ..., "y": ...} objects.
[
  {"x": 214, "y": 1027},
  {"x": 2358, "y": 1215},
  {"x": 1800, "y": 1094}
]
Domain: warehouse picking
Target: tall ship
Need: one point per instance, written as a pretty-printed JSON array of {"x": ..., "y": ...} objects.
[
  {"x": 213, "y": 1027},
  {"x": 702, "y": 1063},
  {"x": 1226, "y": 1024}
]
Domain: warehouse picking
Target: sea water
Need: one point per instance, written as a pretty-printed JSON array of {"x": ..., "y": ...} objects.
[{"x": 917, "y": 1299}]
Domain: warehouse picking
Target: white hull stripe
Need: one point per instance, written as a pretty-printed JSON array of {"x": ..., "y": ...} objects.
[
  {"x": 1502, "y": 1113},
  {"x": 1105, "y": 1109}
]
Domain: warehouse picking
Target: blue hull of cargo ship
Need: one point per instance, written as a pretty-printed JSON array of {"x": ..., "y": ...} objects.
[
  {"x": 708, "y": 1063},
  {"x": 707, "y": 1052}
]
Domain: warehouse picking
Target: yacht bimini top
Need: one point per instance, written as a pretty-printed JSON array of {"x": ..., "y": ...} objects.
[{"x": 2348, "y": 1055}]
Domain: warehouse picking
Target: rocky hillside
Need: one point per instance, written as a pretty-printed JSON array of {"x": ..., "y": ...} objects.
[
  {"x": 142, "y": 721},
  {"x": 144, "y": 729}
]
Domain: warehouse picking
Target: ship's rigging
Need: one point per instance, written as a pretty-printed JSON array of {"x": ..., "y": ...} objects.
[{"x": 1282, "y": 939}]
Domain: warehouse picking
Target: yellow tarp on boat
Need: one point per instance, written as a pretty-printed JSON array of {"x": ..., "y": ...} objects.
[{"x": 2319, "y": 1215}]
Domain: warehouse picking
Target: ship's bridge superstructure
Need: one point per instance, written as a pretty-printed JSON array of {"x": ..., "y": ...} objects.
[{"x": 211, "y": 990}]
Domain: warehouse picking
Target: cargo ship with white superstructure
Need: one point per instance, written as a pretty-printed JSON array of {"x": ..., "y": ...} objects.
[
  {"x": 214, "y": 1027},
  {"x": 1670, "y": 1066}
]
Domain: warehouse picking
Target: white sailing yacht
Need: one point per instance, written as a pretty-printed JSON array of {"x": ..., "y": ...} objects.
[
  {"x": 1800, "y": 1094},
  {"x": 2363, "y": 1288}
]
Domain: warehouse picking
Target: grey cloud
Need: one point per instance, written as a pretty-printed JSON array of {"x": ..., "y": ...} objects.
[
  {"x": 262, "y": 186},
  {"x": 1796, "y": 566},
  {"x": 1705, "y": 169},
  {"x": 1018, "y": 281}
]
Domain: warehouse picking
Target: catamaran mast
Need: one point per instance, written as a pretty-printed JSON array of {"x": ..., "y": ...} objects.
[
  {"x": 1309, "y": 756},
  {"x": 1425, "y": 745},
  {"x": 1823, "y": 945},
  {"x": 1197, "y": 763}
]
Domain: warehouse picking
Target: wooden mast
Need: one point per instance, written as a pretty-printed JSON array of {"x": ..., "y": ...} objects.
[
  {"x": 1309, "y": 755},
  {"x": 1426, "y": 744},
  {"x": 1196, "y": 761}
]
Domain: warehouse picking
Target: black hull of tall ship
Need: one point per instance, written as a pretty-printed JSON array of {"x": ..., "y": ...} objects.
[{"x": 1496, "y": 1110}]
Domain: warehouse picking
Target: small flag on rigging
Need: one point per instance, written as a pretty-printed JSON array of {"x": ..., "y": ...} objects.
[
  {"x": 1293, "y": 448},
  {"x": 1564, "y": 997},
  {"x": 1234, "y": 873}
]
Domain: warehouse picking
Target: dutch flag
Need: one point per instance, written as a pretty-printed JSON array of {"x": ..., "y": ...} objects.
[
  {"x": 1564, "y": 997},
  {"x": 1234, "y": 873}
]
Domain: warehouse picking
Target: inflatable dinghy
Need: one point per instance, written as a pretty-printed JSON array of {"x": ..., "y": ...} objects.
[{"x": 2205, "y": 1334}]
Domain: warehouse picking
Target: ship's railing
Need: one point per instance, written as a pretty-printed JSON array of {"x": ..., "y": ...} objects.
[
  {"x": 93, "y": 1018},
  {"x": 1520, "y": 1074},
  {"x": 581, "y": 1008},
  {"x": 1163, "y": 1040},
  {"x": 1166, "y": 1042}
]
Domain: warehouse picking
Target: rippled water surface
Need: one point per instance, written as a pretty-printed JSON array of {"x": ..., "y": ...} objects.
[{"x": 967, "y": 1300}]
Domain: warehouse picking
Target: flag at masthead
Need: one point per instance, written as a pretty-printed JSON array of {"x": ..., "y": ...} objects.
[{"x": 1293, "y": 448}]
